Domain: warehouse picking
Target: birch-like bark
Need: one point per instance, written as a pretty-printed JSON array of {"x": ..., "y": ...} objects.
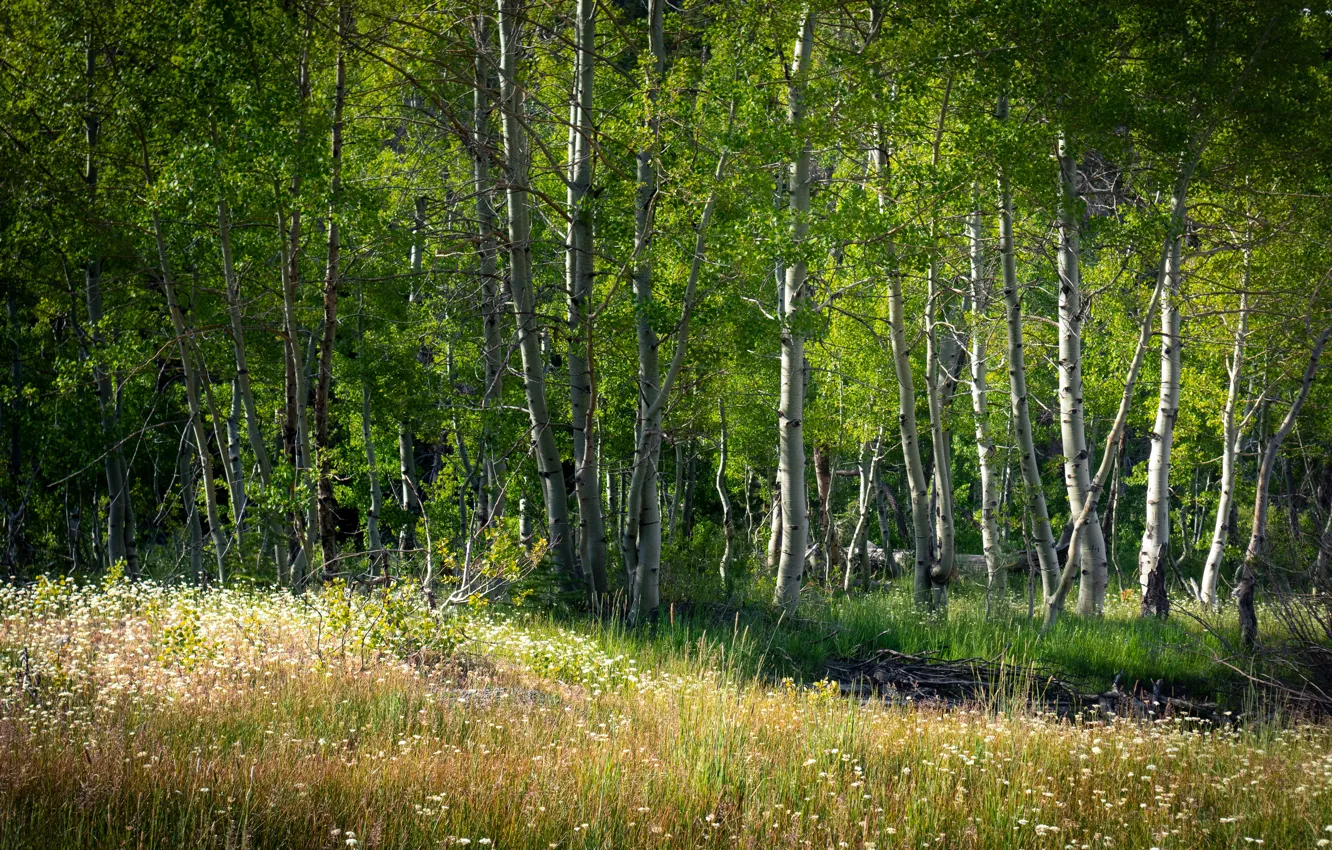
[
  {"x": 1156, "y": 535},
  {"x": 1042, "y": 538},
  {"x": 791, "y": 405},
  {"x": 1257, "y": 548},
  {"x": 549, "y": 466},
  {"x": 1324, "y": 558},
  {"x": 643, "y": 510},
  {"x": 254, "y": 433},
  {"x": 235, "y": 488},
  {"x": 881, "y": 508},
  {"x": 940, "y": 357},
  {"x": 642, "y": 529},
  {"x": 728, "y": 521},
  {"x": 1077, "y": 458},
  {"x": 980, "y": 407},
  {"x": 374, "y": 543},
  {"x": 857, "y": 554},
  {"x": 1113, "y": 446},
  {"x": 405, "y": 488},
  {"x": 1230, "y": 446},
  {"x": 677, "y": 488},
  {"x": 240, "y": 499},
  {"x": 192, "y": 399},
  {"x": 922, "y": 534},
  {"x": 775, "y": 525},
  {"x": 189, "y": 492},
  {"x": 578, "y": 281},
  {"x": 327, "y": 504},
  {"x": 823, "y": 481}
]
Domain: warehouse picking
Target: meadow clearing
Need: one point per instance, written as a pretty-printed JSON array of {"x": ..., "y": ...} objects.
[{"x": 142, "y": 715}]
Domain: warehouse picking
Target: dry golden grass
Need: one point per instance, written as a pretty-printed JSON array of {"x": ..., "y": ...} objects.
[{"x": 140, "y": 716}]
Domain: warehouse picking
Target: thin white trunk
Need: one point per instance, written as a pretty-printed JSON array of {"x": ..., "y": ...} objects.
[
  {"x": 922, "y": 535},
  {"x": 493, "y": 466},
  {"x": 326, "y": 504},
  {"x": 1042, "y": 538},
  {"x": 256, "y": 436},
  {"x": 642, "y": 529},
  {"x": 791, "y": 404},
  {"x": 857, "y": 554},
  {"x": 1230, "y": 446},
  {"x": 192, "y": 399},
  {"x": 728, "y": 521},
  {"x": 1156, "y": 534},
  {"x": 980, "y": 406},
  {"x": 549, "y": 466},
  {"x": 1077, "y": 458},
  {"x": 775, "y": 525},
  {"x": 940, "y": 354},
  {"x": 578, "y": 280}
]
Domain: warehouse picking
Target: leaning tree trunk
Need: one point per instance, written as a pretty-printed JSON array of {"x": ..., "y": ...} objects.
[
  {"x": 1230, "y": 446},
  {"x": 1077, "y": 458},
  {"x": 642, "y": 533},
  {"x": 791, "y": 403},
  {"x": 1156, "y": 535},
  {"x": 980, "y": 406},
  {"x": 1113, "y": 446},
  {"x": 549, "y": 465},
  {"x": 252, "y": 429},
  {"x": 234, "y": 487},
  {"x": 1042, "y": 538},
  {"x": 945, "y": 553},
  {"x": 192, "y": 398},
  {"x": 1257, "y": 548},
  {"x": 327, "y": 504},
  {"x": 922, "y": 534}
]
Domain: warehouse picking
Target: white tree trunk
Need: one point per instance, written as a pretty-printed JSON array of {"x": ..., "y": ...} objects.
[
  {"x": 578, "y": 281},
  {"x": 980, "y": 406},
  {"x": 791, "y": 404},
  {"x": 1042, "y": 538},
  {"x": 192, "y": 399},
  {"x": 1156, "y": 534},
  {"x": 1230, "y": 446},
  {"x": 921, "y": 532},
  {"x": 857, "y": 554},
  {"x": 1077, "y": 458},
  {"x": 493, "y": 466},
  {"x": 549, "y": 466},
  {"x": 728, "y": 520}
]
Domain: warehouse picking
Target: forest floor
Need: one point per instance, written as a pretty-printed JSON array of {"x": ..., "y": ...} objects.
[{"x": 142, "y": 715}]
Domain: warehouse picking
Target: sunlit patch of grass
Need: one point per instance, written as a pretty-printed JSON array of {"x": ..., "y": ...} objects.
[{"x": 274, "y": 729}]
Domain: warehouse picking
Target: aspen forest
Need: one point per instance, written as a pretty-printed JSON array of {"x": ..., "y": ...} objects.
[{"x": 665, "y": 423}]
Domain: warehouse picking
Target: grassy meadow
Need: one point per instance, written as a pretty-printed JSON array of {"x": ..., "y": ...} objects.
[{"x": 143, "y": 715}]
